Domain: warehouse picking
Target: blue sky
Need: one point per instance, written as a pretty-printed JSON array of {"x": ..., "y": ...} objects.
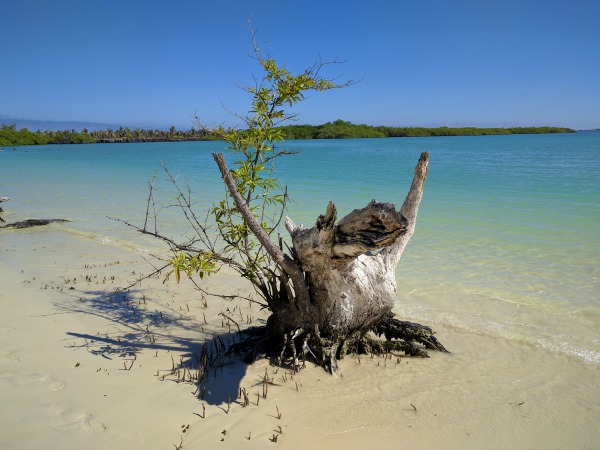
[{"x": 145, "y": 63}]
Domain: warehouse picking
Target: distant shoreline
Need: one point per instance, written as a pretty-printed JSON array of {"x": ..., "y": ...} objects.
[{"x": 10, "y": 136}]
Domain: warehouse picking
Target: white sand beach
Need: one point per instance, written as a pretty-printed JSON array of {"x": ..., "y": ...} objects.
[{"x": 81, "y": 367}]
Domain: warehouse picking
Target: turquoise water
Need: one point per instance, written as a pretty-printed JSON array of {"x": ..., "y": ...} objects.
[{"x": 507, "y": 240}]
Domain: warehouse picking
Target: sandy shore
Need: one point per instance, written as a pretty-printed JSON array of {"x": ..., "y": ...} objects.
[{"x": 83, "y": 367}]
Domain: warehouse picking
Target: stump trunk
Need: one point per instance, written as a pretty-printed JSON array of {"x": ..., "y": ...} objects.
[{"x": 339, "y": 282}]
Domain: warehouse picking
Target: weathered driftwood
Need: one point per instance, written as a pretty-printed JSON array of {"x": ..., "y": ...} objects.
[
  {"x": 350, "y": 285},
  {"x": 339, "y": 283},
  {"x": 3, "y": 199},
  {"x": 31, "y": 223}
]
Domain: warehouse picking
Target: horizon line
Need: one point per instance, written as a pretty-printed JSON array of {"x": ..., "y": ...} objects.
[{"x": 79, "y": 125}]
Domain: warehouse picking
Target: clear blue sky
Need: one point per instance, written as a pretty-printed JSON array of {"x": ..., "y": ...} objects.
[{"x": 154, "y": 63}]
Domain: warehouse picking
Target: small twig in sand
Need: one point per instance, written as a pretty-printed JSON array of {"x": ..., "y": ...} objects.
[
  {"x": 229, "y": 318},
  {"x": 246, "y": 400},
  {"x": 265, "y": 384}
]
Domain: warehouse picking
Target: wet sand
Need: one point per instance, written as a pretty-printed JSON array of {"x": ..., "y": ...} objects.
[{"x": 83, "y": 367}]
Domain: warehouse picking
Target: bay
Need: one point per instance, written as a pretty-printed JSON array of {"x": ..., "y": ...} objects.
[{"x": 506, "y": 244}]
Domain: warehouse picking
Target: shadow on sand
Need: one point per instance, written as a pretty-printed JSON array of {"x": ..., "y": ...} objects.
[{"x": 144, "y": 327}]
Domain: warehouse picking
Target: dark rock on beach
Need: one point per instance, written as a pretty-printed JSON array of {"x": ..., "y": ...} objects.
[{"x": 32, "y": 223}]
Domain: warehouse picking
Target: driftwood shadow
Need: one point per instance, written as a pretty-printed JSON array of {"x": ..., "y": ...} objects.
[{"x": 207, "y": 362}]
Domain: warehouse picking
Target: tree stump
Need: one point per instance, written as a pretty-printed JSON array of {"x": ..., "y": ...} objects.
[{"x": 339, "y": 283}]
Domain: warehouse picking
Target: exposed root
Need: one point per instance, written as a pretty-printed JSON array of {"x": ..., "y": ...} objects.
[
  {"x": 405, "y": 335},
  {"x": 293, "y": 348}
]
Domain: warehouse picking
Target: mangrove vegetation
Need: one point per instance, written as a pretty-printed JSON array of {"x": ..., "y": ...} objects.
[
  {"x": 340, "y": 129},
  {"x": 347, "y": 130}
]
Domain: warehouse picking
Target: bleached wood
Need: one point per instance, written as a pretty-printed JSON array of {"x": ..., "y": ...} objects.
[
  {"x": 410, "y": 209},
  {"x": 343, "y": 273},
  {"x": 351, "y": 285}
]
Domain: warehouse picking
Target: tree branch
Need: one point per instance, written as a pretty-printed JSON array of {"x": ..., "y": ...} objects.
[
  {"x": 392, "y": 254},
  {"x": 285, "y": 262}
]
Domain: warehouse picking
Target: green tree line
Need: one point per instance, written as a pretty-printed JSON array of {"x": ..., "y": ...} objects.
[
  {"x": 10, "y": 136},
  {"x": 347, "y": 130}
]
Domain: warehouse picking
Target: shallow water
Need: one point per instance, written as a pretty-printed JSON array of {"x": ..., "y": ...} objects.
[{"x": 506, "y": 242}]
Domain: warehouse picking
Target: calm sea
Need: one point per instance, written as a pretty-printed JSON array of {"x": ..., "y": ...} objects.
[{"x": 507, "y": 241}]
